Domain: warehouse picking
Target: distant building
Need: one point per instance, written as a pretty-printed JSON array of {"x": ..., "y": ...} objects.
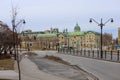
[
  {"x": 119, "y": 35},
  {"x": 50, "y": 39},
  {"x": 89, "y": 39},
  {"x": 39, "y": 40},
  {"x": 116, "y": 44}
]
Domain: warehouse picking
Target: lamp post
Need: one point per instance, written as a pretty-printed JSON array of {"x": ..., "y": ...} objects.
[
  {"x": 91, "y": 43},
  {"x": 101, "y": 24},
  {"x": 15, "y": 44},
  {"x": 57, "y": 41},
  {"x": 15, "y": 38},
  {"x": 67, "y": 37}
]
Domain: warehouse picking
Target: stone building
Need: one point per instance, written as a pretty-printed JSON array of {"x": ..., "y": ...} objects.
[
  {"x": 50, "y": 39},
  {"x": 38, "y": 40},
  {"x": 119, "y": 35},
  {"x": 80, "y": 39}
]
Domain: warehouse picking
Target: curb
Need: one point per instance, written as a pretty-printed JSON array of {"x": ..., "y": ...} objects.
[{"x": 90, "y": 76}]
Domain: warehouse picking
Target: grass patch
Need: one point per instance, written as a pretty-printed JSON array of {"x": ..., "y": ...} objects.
[
  {"x": 57, "y": 59},
  {"x": 7, "y": 56},
  {"x": 5, "y": 79},
  {"x": 7, "y": 64}
]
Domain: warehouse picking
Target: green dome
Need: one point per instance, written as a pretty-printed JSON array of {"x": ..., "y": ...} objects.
[{"x": 77, "y": 28}]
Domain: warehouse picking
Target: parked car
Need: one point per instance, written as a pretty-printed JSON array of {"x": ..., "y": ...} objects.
[
  {"x": 66, "y": 47},
  {"x": 71, "y": 47}
]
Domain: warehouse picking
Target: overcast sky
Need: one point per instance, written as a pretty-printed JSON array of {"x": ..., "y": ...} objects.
[{"x": 44, "y": 14}]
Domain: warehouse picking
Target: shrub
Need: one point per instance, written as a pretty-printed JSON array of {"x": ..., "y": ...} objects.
[{"x": 7, "y": 56}]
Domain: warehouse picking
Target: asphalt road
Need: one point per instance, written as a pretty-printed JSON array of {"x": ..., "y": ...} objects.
[
  {"x": 58, "y": 69},
  {"x": 104, "y": 70}
]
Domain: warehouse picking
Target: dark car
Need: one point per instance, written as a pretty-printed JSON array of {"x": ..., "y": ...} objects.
[{"x": 70, "y": 47}]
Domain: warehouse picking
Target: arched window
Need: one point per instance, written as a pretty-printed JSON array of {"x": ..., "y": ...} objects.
[
  {"x": 74, "y": 36},
  {"x": 62, "y": 37},
  {"x": 34, "y": 37}
]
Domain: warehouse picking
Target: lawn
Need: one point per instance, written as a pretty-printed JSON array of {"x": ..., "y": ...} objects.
[
  {"x": 4, "y": 79},
  {"x": 7, "y": 64}
]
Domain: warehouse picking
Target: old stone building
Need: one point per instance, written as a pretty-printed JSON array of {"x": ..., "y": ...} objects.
[
  {"x": 38, "y": 40},
  {"x": 50, "y": 39},
  {"x": 80, "y": 39},
  {"x": 119, "y": 35}
]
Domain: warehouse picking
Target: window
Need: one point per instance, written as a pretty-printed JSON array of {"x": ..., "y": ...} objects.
[
  {"x": 34, "y": 37},
  {"x": 62, "y": 37},
  {"x": 81, "y": 38},
  {"x": 30, "y": 44},
  {"x": 74, "y": 36}
]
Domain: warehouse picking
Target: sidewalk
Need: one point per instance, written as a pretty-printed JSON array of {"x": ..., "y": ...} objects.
[
  {"x": 8, "y": 74},
  {"x": 29, "y": 71}
]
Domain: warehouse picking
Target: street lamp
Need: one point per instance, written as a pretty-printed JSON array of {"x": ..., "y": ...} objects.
[
  {"x": 15, "y": 39},
  {"x": 101, "y": 24},
  {"x": 57, "y": 41},
  {"x": 15, "y": 43},
  {"x": 67, "y": 37}
]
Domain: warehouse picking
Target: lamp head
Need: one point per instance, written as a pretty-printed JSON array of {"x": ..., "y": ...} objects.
[
  {"x": 112, "y": 20},
  {"x": 90, "y": 21},
  {"x": 24, "y": 22}
]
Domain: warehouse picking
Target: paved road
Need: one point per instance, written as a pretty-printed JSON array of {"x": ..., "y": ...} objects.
[
  {"x": 59, "y": 69},
  {"x": 104, "y": 70},
  {"x": 30, "y": 71}
]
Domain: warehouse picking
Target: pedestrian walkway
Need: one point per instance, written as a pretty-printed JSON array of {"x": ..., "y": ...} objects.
[
  {"x": 8, "y": 74},
  {"x": 29, "y": 71}
]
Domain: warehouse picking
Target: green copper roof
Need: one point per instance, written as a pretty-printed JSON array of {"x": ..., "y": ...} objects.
[
  {"x": 96, "y": 33},
  {"x": 65, "y": 30},
  {"x": 75, "y": 33},
  {"x": 77, "y": 27},
  {"x": 46, "y": 35}
]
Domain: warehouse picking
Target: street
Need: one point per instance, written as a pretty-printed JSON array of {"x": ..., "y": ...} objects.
[
  {"x": 104, "y": 70},
  {"x": 58, "y": 69}
]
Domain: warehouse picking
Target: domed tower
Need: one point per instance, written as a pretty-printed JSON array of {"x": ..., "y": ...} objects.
[{"x": 77, "y": 28}]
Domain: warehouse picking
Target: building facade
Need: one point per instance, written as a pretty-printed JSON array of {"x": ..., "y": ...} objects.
[
  {"x": 119, "y": 35},
  {"x": 89, "y": 39},
  {"x": 50, "y": 39}
]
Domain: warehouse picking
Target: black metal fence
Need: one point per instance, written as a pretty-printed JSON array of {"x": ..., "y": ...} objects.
[{"x": 96, "y": 54}]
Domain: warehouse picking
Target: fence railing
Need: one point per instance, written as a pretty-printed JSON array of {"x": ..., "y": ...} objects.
[{"x": 96, "y": 54}]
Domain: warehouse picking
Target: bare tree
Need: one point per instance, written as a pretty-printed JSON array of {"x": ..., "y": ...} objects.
[
  {"x": 6, "y": 39},
  {"x": 107, "y": 39}
]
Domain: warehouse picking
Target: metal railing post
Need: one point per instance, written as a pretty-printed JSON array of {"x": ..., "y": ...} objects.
[{"x": 118, "y": 55}]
